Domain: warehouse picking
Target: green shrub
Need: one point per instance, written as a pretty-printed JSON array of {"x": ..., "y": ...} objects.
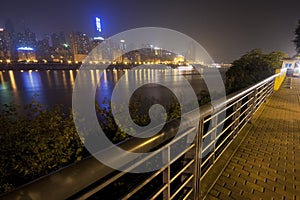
[{"x": 34, "y": 143}]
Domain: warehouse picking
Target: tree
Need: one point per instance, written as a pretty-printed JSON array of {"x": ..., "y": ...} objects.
[
  {"x": 274, "y": 59},
  {"x": 35, "y": 143},
  {"x": 251, "y": 68},
  {"x": 297, "y": 37}
]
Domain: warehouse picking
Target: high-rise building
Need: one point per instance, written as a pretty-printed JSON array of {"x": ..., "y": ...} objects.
[
  {"x": 191, "y": 53},
  {"x": 9, "y": 27},
  {"x": 43, "y": 49},
  {"x": 26, "y": 39},
  {"x": 122, "y": 45},
  {"x": 58, "y": 39},
  {"x": 26, "y": 53},
  {"x": 60, "y": 49},
  {"x": 97, "y": 52},
  {"x": 5, "y": 45},
  {"x": 80, "y": 45},
  {"x": 97, "y": 27}
]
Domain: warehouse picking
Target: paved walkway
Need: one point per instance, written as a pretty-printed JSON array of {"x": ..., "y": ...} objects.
[{"x": 267, "y": 164}]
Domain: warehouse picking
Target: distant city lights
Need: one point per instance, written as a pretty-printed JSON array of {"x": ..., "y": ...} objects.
[
  {"x": 98, "y": 38},
  {"x": 1, "y": 29},
  {"x": 188, "y": 67},
  {"x": 98, "y": 24},
  {"x": 25, "y": 49}
]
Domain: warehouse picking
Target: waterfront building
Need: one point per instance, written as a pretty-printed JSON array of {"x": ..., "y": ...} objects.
[
  {"x": 5, "y": 45},
  {"x": 43, "y": 50},
  {"x": 58, "y": 39},
  {"x": 80, "y": 45},
  {"x": 26, "y": 54}
]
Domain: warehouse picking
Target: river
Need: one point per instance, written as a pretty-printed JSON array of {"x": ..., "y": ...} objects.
[{"x": 51, "y": 87}]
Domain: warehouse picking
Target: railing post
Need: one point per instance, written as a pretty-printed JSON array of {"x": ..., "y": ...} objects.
[
  {"x": 198, "y": 160},
  {"x": 249, "y": 104},
  {"x": 166, "y": 174},
  {"x": 236, "y": 117},
  {"x": 214, "y": 123},
  {"x": 253, "y": 106},
  {"x": 266, "y": 90}
]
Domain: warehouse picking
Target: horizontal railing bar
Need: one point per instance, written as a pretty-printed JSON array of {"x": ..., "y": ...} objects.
[
  {"x": 238, "y": 94},
  {"x": 181, "y": 154},
  {"x": 247, "y": 92},
  {"x": 226, "y": 108},
  {"x": 207, "y": 146},
  {"x": 182, "y": 170},
  {"x": 165, "y": 186},
  {"x": 114, "y": 178},
  {"x": 145, "y": 182},
  {"x": 183, "y": 185},
  {"x": 229, "y": 116},
  {"x": 218, "y": 157},
  {"x": 229, "y": 126},
  {"x": 220, "y": 123},
  {"x": 229, "y": 135},
  {"x": 188, "y": 194},
  {"x": 207, "y": 159},
  {"x": 270, "y": 86}
]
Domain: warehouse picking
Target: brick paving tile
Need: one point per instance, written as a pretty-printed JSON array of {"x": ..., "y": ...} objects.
[{"x": 267, "y": 164}]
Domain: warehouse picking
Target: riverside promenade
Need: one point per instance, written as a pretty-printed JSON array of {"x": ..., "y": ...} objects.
[{"x": 266, "y": 163}]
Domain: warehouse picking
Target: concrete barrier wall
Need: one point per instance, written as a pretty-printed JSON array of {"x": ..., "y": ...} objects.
[{"x": 279, "y": 79}]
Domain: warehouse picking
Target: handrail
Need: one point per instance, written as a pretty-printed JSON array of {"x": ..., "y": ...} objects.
[{"x": 72, "y": 179}]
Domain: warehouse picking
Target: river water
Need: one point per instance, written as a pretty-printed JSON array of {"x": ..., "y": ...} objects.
[{"x": 51, "y": 87}]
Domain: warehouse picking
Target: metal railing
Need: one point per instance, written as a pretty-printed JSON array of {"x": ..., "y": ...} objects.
[{"x": 180, "y": 178}]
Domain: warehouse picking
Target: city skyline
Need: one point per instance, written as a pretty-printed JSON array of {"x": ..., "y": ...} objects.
[
  {"x": 74, "y": 47},
  {"x": 225, "y": 29}
]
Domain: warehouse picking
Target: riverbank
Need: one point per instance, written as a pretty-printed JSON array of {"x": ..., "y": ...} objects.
[{"x": 39, "y": 66}]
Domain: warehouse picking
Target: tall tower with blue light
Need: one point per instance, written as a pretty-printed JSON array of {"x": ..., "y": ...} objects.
[
  {"x": 98, "y": 38},
  {"x": 98, "y": 27},
  {"x": 98, "y": 24}
]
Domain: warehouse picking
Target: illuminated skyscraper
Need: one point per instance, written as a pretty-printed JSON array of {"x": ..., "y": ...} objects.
[
  {"x": 80, "y": 45},
  {"x": 26, "y": 53},
  {"x": 26, "y": 39},
  {"x": 122, "y": 45},
  {"x": 98, "y": 25},
  {"x": 5, "y": 45}
]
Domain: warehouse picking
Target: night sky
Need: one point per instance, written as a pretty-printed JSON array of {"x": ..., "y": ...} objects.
[{"x": 226, "y": 29}]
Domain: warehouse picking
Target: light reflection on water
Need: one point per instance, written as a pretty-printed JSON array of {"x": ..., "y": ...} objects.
[{"x": 56, "y": 86}]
